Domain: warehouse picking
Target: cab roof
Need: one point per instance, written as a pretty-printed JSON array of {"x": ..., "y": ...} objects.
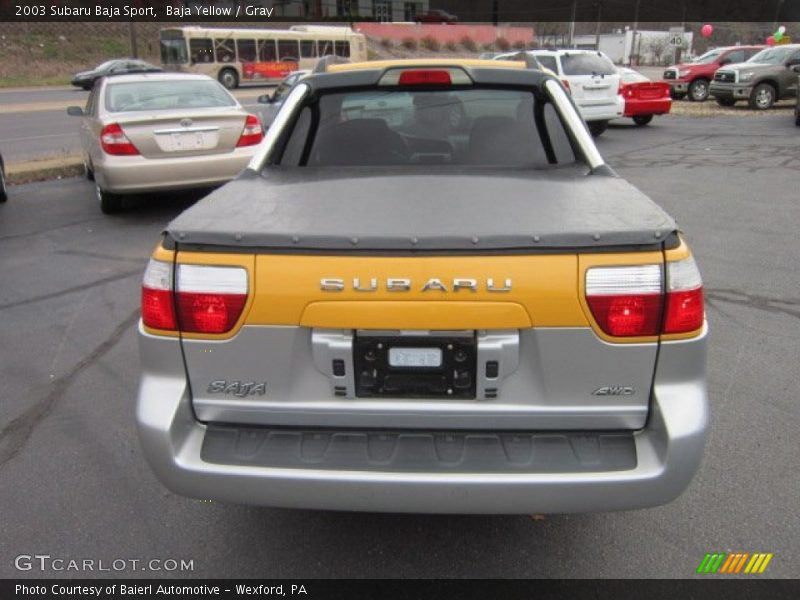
[{"x": 426, "y": 62}]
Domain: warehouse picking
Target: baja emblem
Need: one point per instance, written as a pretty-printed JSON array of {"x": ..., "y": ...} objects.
[
  {"x": 240, "y": 389},
  {"x": 614, "y": 390}
]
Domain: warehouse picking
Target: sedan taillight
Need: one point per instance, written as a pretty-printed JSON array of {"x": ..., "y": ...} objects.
[
  {"x": 252, "y": 133},
  {"x": 209, "y": 299},
  {"x": 115, "y": 142}
]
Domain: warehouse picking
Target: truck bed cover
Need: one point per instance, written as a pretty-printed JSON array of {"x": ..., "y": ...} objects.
[{"x": 442, "y": 209}]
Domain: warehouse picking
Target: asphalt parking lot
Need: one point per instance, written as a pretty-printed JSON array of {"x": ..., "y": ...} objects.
[{"x": 74, "y": 484}]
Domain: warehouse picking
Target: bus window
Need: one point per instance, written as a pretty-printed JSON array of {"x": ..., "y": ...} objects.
[
  {"x": 225, "y": 51},
  {"x": 247, "y": 50},
  {"x": 266, "y": 51},
  {"x": 343, "y": 48},
  {"x": 173, "y": 48},
  {"x": 288, "y": 51},
  {"x": 201, "y": 50},
  {"x": 307, "y": 49},
  {"x": 325, "y": 47}
]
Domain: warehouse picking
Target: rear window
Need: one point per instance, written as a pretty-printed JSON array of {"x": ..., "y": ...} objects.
[
  {"x": 461, "y": 127},
  {"x": 586, "y": 64},
  {"x": 166, "y": 95}
]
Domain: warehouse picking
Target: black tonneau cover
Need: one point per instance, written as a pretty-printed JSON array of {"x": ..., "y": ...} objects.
[{"x": 444, "y": 209}]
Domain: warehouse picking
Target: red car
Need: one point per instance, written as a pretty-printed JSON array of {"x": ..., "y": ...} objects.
[
  {"x": 693, "y": 78},
  {"x": 643, "y": 98}
]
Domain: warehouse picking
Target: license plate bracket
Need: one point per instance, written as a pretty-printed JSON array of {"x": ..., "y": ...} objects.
[{"x": 415, "y": 367}]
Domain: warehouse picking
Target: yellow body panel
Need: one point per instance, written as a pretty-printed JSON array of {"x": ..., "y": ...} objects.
[{"x": 543, "y": 292}]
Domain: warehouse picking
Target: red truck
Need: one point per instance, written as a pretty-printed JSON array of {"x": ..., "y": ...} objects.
[{"x": 693, "y": 78}]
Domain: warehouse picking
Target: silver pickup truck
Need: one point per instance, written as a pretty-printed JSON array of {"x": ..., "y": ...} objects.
[{"x": 428, "y": 293}]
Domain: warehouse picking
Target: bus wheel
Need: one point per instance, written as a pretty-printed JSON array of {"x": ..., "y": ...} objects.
[{"x": 229, "y": 78}]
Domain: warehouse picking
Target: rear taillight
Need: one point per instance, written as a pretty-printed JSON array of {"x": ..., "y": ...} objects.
[
  {"x": 630, "y": 301},
  {"x": 158, "y": 305},
  {"x": 626, "y": 301},
  {"x": 424, "y": 77},
  {"x": 252, "y": 133},
  {"x": 685, "y": 303},
  {"x": 115, "y": 142},
  {"x": 208, "y": 299}
]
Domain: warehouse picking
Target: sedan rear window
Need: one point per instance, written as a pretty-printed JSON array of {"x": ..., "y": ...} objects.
[
  {"x": 586, "y": 64},
  {"x": 166, "y": 95},
  {"x": 396, "y": 127}
]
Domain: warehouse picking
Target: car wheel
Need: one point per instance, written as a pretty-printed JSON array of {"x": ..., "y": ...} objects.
[
  {"x": 762, "y": 97},
  {"x": 726, "y": 101},
  {"x": 698, "y": 90},
  {"x": 642, "y": 120},
  {"x": 596, "y": 128},
  {"x": 109, "y": 203},
  {"x": 3, "y": 189},
  {"x": 229, "y": 79}
]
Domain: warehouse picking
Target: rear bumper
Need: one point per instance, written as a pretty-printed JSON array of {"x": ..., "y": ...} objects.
[
  {"x": 136, "y": 174},
  {"x": 602, "y": 112},
  {"x": 678, "y": 86},
  {"x": 668, "y": 451},
  {"x": 734, "y": 91},
  {"x": 635, "y": 108}
]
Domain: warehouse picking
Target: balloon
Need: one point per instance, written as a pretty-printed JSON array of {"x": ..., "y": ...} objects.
[
  {"x": 781, "y": 30},
  {"x": 770, "y": 41},
  {"x": 778, "y": 36},
  {"x": 706, "y": 30}
]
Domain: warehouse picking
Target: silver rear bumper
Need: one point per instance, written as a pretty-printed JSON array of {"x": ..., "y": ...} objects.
[{"x": 668, "y": 452}]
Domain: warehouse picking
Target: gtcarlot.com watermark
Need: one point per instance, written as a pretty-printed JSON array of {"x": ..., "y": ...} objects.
[{"x": 48, "y": 563}]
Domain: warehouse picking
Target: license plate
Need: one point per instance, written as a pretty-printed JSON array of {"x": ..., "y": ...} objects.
[
  {"x": 415, "y": 357},
  {"x": 191, "y": 140}
]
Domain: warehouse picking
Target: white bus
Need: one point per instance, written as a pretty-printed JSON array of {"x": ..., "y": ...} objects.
[{"x": 235, "y": 56}]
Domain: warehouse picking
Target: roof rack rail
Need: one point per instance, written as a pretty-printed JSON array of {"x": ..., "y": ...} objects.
[{"x": 331, "y": 59}]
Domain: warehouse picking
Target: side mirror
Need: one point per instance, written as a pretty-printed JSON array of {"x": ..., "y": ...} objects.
[
  {"x": 792, "y": 63},
  {"x": 264, "y": 99},
  {"x": 74, "y": 111},
  {"x": 796, "y": 69}
]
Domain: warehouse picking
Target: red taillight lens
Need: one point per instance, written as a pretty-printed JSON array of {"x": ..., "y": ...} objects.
[
  {"x": 685, "y": 311},
  {"x": 252, "y": 133},
  {"x": 209, "y": 299},
  {"x": 626, "y": 316},
  {"x": 209, "y": 313},
  {"x": 115, "y": 142},
  {"x": 424, "y": 77}
]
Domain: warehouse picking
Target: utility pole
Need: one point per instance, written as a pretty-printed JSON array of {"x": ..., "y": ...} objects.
[
  {"x": 599, "y": 18},
  {"x": 132, "y": 36},
  {"x": 572, "y": 24},
  {"x": 633, "y": 36}
]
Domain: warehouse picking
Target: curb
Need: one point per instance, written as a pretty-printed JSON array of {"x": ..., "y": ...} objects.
[{"x": 43, "y": 170}]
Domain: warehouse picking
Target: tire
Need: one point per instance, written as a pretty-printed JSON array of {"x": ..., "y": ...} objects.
[
  {"x": 642, "y": 120},
  {"x": 3, "y": 188},
  {"x": 229, "y": 79},
  {"x": 726, "y": 101},
  {"x": 596, "y": 128},
  {"x": 110, "y": 203},
  {"x": 698, "y": 90},
  {"x": 762, "y": 97}
]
